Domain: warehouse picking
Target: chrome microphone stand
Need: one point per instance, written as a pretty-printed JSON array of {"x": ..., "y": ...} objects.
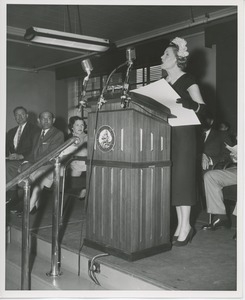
[
  {"x": 125, "y": 98},
  {"x": 87, "y": 67},
  {"x": 101, "y": 98},
  {"x": 83, "y": 101}
]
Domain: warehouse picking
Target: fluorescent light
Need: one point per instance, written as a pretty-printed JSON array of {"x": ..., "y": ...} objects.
[{"x": 66, "y": 39}]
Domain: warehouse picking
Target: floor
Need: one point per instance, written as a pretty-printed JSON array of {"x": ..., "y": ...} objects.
[{"x": 209, "y": 263}]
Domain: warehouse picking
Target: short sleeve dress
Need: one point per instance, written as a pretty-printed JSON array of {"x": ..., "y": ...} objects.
[
  {"x": 77, "y": 166},
  {"x": 183, "y": 154}
]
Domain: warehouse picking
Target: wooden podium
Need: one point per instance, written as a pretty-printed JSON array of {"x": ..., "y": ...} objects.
[{"x": 128, "y": 211}]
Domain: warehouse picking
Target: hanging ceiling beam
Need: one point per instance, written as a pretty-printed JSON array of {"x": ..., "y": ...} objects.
[{"x": 201, "y": 20}]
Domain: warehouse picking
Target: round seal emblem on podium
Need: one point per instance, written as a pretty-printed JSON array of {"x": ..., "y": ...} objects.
[{"x": 105, "y": 138}]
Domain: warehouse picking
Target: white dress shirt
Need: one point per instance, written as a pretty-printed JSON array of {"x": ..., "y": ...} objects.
[{"x": 17, "y": 133}]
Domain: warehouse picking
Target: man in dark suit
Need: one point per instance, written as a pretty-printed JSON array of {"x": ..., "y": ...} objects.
[
  {"x": 46, "y": 140},
  {"x": 212, "y": 150},
  {"x": 214, "y": 146},
  {"x": 19, "y": 140}
]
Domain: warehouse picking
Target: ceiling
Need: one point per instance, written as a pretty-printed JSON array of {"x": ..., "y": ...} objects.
[{"x": 123, "y": 25}]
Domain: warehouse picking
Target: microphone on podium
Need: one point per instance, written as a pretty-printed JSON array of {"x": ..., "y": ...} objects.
[
  {"x": 88, "y": 68},
  {"x": 130, "y": 55}
]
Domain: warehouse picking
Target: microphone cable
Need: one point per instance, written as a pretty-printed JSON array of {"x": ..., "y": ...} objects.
[
  {"x": 101, "y": 99},
  {"x": 89, "y": 183}
]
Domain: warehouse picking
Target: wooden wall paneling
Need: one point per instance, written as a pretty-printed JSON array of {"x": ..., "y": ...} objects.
[
  {"x": 136, "y": 209},
  {"x": 155, "y": 205},
  {"x": 105, "y": 213},
  {"x": 121, "y": 210},
  {"x": 149, "y": 178},
  {"x": 112, "y": 200},
  {"x": 165, "y": 203},
  {"x": 116, "y": 241},
  {"x": 98, "y": 195}
]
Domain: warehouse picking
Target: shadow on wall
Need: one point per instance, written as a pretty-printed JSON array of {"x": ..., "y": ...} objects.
[{"x": 197, "y": 66}]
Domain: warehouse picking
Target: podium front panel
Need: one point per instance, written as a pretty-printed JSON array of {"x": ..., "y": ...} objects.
[
  {"x": 138, "y": 138},
  {"x": 129, "y": 188}
]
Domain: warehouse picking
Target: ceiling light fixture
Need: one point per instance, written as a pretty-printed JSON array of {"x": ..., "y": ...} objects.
[{"x": 66, "y": 39}]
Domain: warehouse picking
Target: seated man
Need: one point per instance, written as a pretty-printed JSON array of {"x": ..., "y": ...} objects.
[
  {"x": 213, "y": 148},
  {"x": 214, "y": 181},
  {"x": 47, "y": 140},
  {"x": 19, "y": 140}
]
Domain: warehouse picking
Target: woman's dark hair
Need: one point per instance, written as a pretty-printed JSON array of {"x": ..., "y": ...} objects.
[
  {"x": 72, "y": 120},
  {"x": 181, "y": 60}
]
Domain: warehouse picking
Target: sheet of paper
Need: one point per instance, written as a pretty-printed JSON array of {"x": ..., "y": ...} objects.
[
  {"x": 163, "y": 93},
  {"x": 232, "y": 149}
]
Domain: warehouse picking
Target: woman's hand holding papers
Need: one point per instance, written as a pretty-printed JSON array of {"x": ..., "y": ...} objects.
[{"x": 188, "y": 103}]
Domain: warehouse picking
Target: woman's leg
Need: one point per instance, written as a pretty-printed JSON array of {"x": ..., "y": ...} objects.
[
  {"x": 185, "y": 212},
  {"x": 38, "y": 187},
  {"x": 179, "y": 217},
  {"x": 35, "y": 196}
]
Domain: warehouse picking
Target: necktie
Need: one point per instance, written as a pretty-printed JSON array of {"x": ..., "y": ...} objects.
[
  {"x": 206, "y": 135},
  {"x": 42, "y": 134},
  {"x": 18, "y": 135}
]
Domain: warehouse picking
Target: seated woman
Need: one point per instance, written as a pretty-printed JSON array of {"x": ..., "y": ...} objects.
[{"x": 77, "y": 128}]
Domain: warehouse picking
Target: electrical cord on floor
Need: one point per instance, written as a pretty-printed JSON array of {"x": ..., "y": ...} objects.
[{"x": 92, "y": 268}]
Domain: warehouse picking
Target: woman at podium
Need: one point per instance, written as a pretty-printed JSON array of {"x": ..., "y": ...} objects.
[{"x": 184, "y": 142}]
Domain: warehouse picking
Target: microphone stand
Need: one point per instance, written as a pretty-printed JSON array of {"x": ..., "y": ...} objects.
[
  {"x": 125, "y": 98},
  {"x": 101, "y": 98},
  {"x": 83, "y": 102}
]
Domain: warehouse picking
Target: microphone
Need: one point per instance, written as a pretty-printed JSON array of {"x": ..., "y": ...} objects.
[
  {"x": 130, "y": 55},
  {"x": 125, "y": 98},
  {"x": 87, "y": 66}
]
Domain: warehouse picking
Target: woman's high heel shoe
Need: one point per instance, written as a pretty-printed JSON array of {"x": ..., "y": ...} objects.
[
  {"x": 174, "y": 238},
  {"x": 34, "y": 209},
  {"x": 187, "y": 240}
]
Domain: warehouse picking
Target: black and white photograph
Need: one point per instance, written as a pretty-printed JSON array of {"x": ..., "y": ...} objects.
[{"x": 123, "y": 136}]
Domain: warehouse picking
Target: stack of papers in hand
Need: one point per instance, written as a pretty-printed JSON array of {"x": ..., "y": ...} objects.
[{"x": 163, "y": 93}]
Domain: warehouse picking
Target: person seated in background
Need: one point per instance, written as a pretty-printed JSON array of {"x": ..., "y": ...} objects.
[
  {"x": 214, "y": 181},
  {"x": 224, "y": 126},
  {"x": 213, "y": 147},
  {"x": 46, "y": 140},
  {"x": 77, "y": 128},
  {"x": 19, "y": 141}
]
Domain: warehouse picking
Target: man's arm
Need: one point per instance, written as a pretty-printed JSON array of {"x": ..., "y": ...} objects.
[
  {"x": 224, "y": 154},
  {"x": 26, "y": 143},
  {"x": 28, "y": 140},
  {"x": 9, "y": 141}
]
